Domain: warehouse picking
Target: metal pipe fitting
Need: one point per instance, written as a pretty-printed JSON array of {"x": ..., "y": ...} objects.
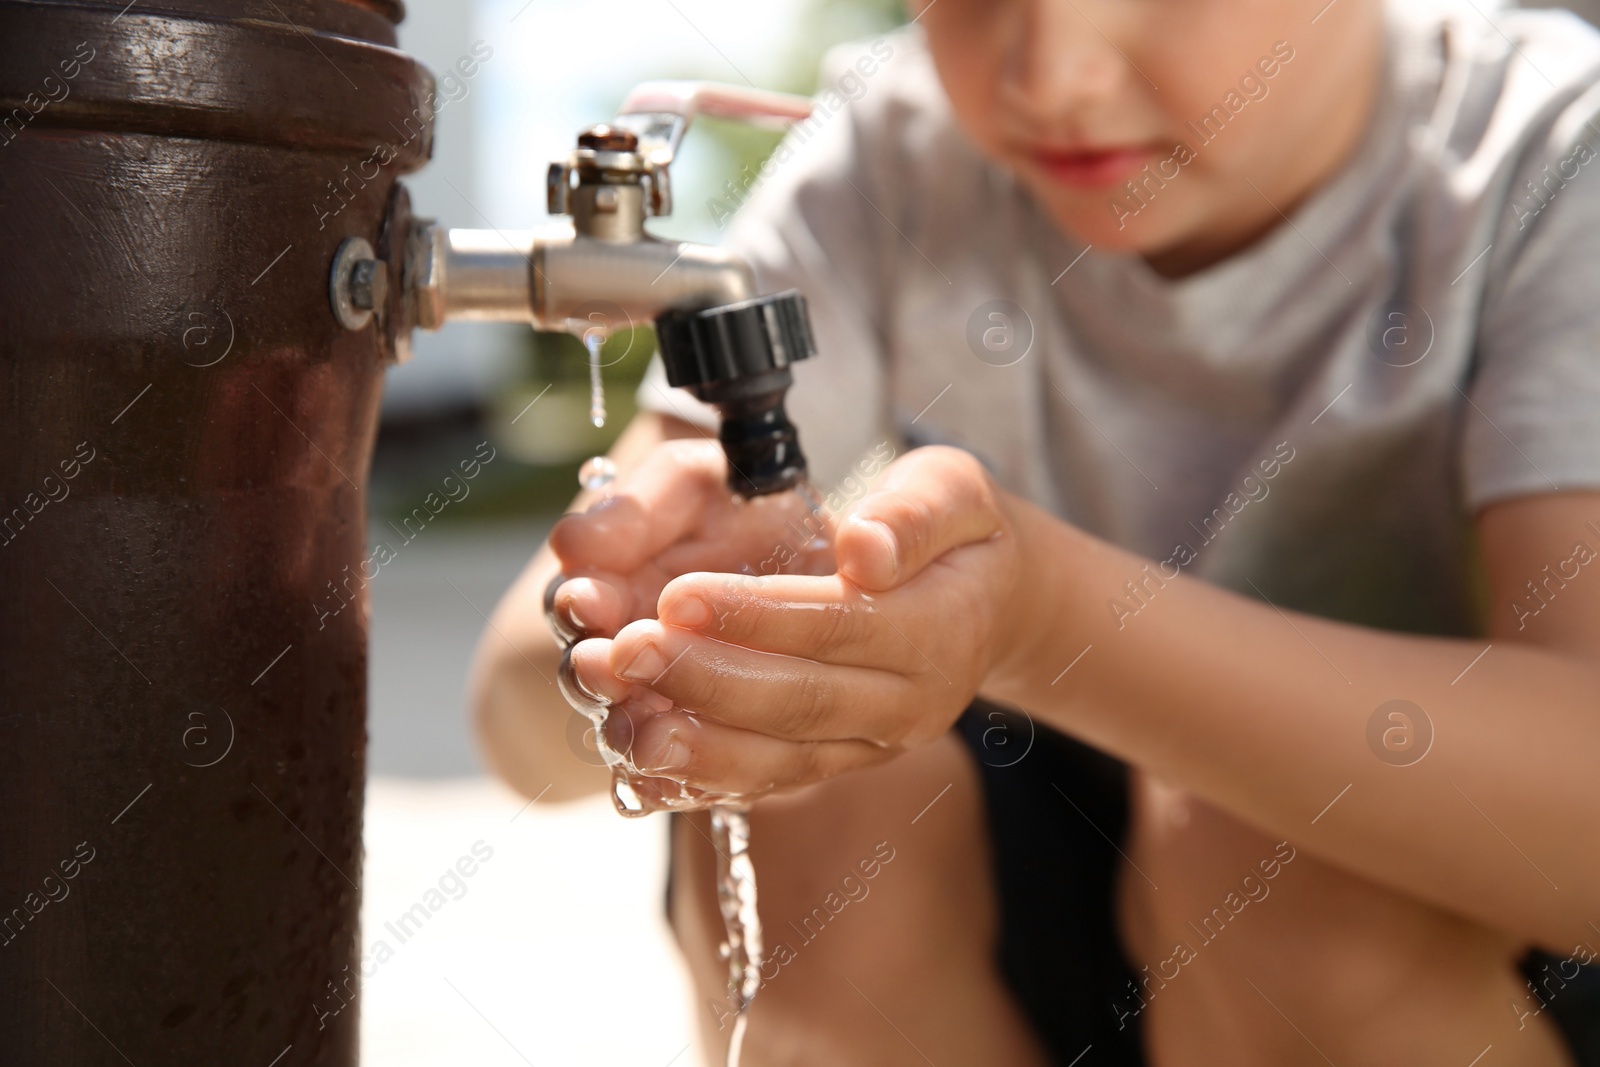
[
  {"x": 554, "y": 277},
  {"x": 599, "y": 260}
]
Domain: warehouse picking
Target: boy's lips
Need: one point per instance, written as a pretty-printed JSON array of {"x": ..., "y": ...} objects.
[{"x": 1091, "y": 168}]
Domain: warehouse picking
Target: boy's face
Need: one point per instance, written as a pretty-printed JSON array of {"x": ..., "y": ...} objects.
[{"x": 1223, "y": 113}]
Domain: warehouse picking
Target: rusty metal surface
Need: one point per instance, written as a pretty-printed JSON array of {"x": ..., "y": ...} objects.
[{"x": 185, "y": 433}]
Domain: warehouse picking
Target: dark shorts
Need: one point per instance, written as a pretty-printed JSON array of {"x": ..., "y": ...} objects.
[{"x": 1057, "y": 813}]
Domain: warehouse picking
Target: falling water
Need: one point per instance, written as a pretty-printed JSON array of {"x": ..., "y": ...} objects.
[
  {"x": 594, "y": 339},
  {"x": 736, "y": 898},
  {"x": 730, "y": 822}
]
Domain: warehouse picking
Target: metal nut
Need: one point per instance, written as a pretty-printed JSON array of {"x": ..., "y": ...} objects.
[
  {"x": 606, "y": 138},
  {"x": 422, "y": 276}
]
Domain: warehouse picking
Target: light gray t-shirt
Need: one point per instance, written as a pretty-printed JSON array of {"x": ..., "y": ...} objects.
[{"x": 1313, "y": 420}]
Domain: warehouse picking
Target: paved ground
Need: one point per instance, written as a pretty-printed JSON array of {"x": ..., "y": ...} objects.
[{"x": 552, "y": 950}]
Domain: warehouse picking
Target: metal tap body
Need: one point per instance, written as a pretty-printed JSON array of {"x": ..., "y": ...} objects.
[
  {"x": 556, "y": 278},
  {"x": 597, "y": 267}
]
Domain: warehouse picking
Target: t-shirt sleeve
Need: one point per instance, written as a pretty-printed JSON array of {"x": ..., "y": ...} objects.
[
  {"x": 805, "y": 226},
  {"x": 1533, "y": 421}
]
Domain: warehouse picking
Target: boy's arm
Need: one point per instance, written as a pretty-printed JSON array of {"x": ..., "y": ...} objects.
[
  {"x": 1268, "y": 713},
  {"x": 525, "y": 728}
]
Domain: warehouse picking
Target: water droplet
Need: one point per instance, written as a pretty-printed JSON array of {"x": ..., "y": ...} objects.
[
  {"x": 628, "y": 802},
  {"x": 597, "y": 472}
]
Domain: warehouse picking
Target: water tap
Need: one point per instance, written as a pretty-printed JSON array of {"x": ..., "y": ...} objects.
[{"x": 596, "y": 267}]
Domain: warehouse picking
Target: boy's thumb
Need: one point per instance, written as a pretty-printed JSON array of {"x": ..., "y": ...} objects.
[{"x": 931, "y": 501}]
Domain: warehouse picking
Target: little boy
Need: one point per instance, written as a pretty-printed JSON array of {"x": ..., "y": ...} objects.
[{"x": 1239, "y": 358}]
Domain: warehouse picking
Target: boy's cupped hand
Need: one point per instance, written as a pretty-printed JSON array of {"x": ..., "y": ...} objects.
[{"x": 726, "y": 683}]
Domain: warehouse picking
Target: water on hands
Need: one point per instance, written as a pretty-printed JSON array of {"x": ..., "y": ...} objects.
[{"x": 730, "y": 813}]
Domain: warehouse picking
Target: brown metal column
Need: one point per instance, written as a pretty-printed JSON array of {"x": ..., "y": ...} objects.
[{"x": 185, "y": 432}]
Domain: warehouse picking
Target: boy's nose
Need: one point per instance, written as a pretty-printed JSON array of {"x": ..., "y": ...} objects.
[{"x": 1061, "y": 59}]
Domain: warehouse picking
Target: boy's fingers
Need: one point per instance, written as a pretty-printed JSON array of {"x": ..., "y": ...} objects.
[
  {"x": 783, "y": 696},
  {"x": 592, "y": 606},
  {"x": 591, "y": 662},
  {"x": 655, "y": 505},
  {"x": 723, "y": 759},
  {"x": 816, "y": 618},
  {"x": 931, "y": 500}
]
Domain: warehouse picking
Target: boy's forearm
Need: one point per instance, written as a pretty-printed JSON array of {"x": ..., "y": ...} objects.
[
  {"x": 525, "y": 728},
  {"x": 1266, "y": 713}
]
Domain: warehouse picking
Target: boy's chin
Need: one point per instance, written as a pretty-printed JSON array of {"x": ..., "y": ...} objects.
[
  {"x": 1175, "y": 235},
  {"x": 1149, "y": 235}
]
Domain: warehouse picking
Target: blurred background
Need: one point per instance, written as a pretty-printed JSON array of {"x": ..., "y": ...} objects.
[{"x": 554, "y": 950}]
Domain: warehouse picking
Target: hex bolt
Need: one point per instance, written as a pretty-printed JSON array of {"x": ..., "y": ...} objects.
[
  {"x": 358, "y": 284},
  {"x": 369, "y": 283}
]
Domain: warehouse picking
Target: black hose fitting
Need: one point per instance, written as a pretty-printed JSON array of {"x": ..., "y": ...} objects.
[{"x": 736, "y": 358}]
